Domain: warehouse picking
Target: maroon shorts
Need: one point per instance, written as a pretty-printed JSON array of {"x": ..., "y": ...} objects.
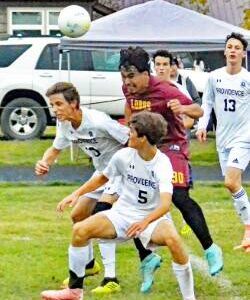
[{"x": 180, "y": 166}]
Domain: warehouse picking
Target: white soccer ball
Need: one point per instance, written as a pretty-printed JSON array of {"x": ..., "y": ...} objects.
[{"x": 74, "y": 21}]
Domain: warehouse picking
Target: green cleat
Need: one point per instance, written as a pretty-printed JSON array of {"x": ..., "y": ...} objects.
[{"x": 108, "y": 286}]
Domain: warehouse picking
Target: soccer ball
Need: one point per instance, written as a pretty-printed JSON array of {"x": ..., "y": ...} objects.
[{"x": 74, "y": 21}]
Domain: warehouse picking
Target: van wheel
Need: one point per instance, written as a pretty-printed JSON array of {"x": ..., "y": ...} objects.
[{"x": 22, "y": 119}]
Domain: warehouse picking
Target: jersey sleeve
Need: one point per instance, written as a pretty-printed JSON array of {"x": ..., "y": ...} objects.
[
  {"x": 207, "y": 103},
  {"x": 60, "y": 141},
  {"x": 175, "y": 93},
  {"x": 118, "y": 131},
  {"x": 115, "y": 166},
  {"x": 165, "y": 175}
]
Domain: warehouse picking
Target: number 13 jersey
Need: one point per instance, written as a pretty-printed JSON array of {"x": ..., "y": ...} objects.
[{"x": 229, "y": 95}]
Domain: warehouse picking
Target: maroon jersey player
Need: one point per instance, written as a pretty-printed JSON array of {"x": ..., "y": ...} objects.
[{"x": 145, "y": 92}]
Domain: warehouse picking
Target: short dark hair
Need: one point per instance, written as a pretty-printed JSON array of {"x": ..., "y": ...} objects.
[
  {"x": 163, "y": 53},
  {"x": 237, "y": 36},
  {"x": 149, "y": 124},
  {"x": 137, "y": 57},
  {"x": 176, "y": 62},
  {"x": 68, "y": 90}
]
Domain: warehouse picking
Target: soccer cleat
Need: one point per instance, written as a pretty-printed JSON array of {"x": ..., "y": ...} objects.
[
  {"x": 66, "y": 294},
  {"x": 93, "y": 271},
  {"x": 245, "y": 244},
  {"x": 88, "y": 272},
  {"x": 108, "y": 286},
  {"x": 215, "y": 259},
  {"x": 149, "y": 265},
  {"x": 186, "y": 230}
]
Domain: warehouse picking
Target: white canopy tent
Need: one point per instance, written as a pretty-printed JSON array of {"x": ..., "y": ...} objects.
[{"x": 154, "y": 25}]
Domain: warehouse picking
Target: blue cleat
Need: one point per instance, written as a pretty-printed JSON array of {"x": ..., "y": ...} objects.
[
  {"x": 215, "y": 259},
  {"x": 149, "y": 265}
]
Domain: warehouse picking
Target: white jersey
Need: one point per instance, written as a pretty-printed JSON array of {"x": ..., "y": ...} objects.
[
  {"x": 229, "y": 95},
  {"x": 182, "y": 87},
  {"x": 98, "y": 136},
  {"x": 142, "y": 181}
]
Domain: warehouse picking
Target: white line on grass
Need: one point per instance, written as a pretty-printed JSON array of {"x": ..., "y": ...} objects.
[{"x": 224, "y": 283}]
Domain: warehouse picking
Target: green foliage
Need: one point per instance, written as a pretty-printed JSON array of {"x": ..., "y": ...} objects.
[{"x": 34, "y": 241}]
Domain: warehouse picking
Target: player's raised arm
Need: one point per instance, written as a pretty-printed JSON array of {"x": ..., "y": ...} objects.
[
  {"x": 192, "y": 110},
  {"x": 50, "y": 155}
]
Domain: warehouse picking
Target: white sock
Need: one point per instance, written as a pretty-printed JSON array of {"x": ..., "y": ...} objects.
[
  {"x": 78, "y": 259},
  {"x": 108, "y": 258},
  {"x": 184, "y": 276},
  {"x": 242, "y": 205},
  {"x": 91, "y": 251}
]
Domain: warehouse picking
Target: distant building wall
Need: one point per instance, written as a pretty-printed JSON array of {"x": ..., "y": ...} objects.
[
  {"x": 235, "y": 12},
  {"x": 8, "y": 4}
]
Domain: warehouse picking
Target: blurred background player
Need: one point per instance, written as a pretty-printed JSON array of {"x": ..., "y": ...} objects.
[{"x": 228, "y": 92}]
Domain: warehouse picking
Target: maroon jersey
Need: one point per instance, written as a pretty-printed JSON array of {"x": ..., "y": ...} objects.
[
  {"x": 175, "y": 144},
  {"x": 156, "y": 99}
]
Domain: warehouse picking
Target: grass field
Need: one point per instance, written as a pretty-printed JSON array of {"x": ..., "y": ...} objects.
[
  {"x": 34, "y": 241},
  {"x": 26, "y": 153}
]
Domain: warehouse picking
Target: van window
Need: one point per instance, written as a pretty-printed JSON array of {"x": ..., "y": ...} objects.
[
  {"x": 9, "y": 53},
  {"x": 186, "y": 59},
  {"x": 49, "y": 59},
  {"x": 212, "y": 59},
  {"x": 105, "y": 60}
]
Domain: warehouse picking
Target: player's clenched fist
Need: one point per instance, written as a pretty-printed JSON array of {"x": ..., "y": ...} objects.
[
  {"x": 201, "y": 135},
  {"x": 175, "y": 106},
  {"x": 41, "y": 167}
]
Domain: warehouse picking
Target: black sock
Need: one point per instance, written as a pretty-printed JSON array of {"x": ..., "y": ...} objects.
[
  {"x": 75, "y": 282},
  {"x": 90, "y": 265},
  {"x": 193, "y": 215},
  {"x": 143, "y": 252},
  {"x": 108, "y": 279}
]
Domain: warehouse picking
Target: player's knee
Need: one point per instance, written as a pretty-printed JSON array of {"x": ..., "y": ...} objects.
[
  {"x": 80, "y": 233},
  {"x": 231, "y": 184},
  {"x": 101, "y": 206},
  {"x": 173, "y": 241}
]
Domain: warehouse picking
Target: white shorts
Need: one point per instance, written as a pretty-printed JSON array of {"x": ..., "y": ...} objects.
[
  {"x": 122, "y": 222},
  {"x": 234, "y": 157},
  {"x": 111, "y": 187}
]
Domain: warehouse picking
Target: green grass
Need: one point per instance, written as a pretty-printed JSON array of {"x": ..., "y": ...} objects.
[
  {"x": 26, "y": 153},
  {"x": 34, "y": 241},
  {"x": 204, "y": 154}
]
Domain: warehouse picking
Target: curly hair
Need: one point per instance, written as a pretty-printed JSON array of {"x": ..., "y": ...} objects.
[
  {"x": 137, "y": 57},
  {"x": 238, "y": 36}
]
